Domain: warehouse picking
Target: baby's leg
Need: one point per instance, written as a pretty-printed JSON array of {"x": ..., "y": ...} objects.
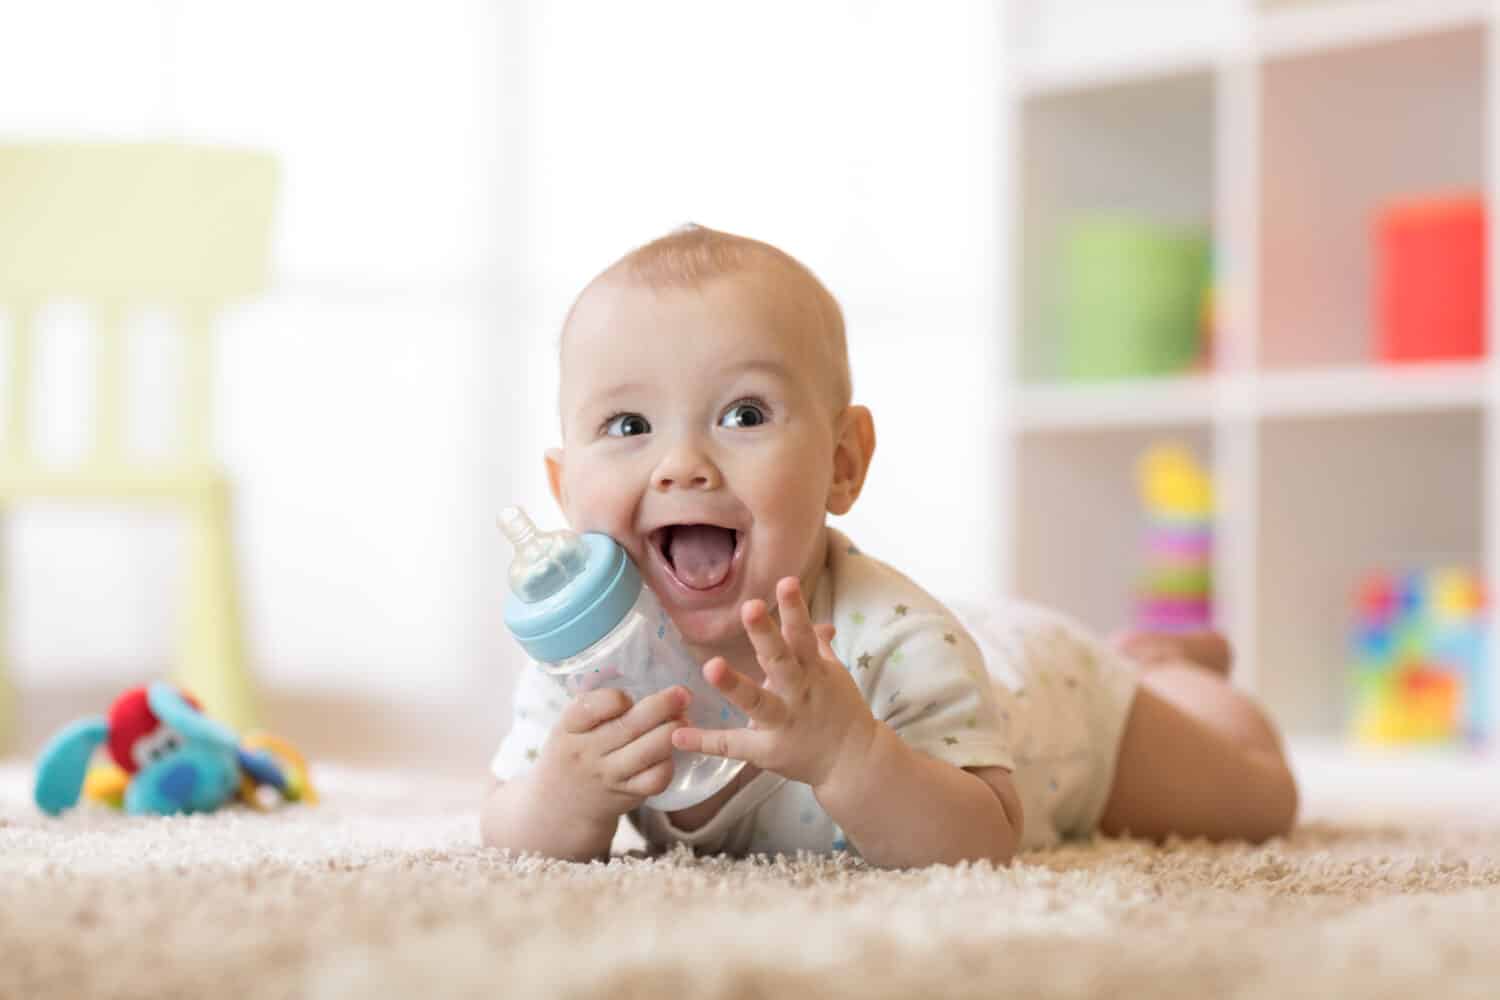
[
  {"x": 1204, "y": 648},
  {"x": 1198, "y": 759}
]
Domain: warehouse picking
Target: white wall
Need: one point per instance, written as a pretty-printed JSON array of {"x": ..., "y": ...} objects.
[
  {"x": 454, "y": 170},
  {"x": 862, "y": 137}
]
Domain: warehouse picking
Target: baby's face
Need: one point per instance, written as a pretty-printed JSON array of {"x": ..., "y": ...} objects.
[{"x": 698, "y": 431}]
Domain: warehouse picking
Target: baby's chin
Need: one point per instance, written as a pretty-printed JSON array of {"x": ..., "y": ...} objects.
[{"x": 711, "y": 631}]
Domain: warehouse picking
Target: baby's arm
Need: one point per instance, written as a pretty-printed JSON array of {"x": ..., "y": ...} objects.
[
  {"x": 521, "y": 816},
  {"x": 899, "y": 806},
  {"x": 902, "y": 808},
  {"x": 604, "y": 757}
]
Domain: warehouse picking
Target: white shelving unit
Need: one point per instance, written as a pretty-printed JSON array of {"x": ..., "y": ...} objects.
[{"x": 1283, "y": 126}]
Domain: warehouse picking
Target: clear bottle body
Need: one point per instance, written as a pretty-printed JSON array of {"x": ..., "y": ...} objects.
[{"x": 642, "y": 655}]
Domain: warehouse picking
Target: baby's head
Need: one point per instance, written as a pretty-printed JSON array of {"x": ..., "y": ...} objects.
[{"x": 707, "y": 423}]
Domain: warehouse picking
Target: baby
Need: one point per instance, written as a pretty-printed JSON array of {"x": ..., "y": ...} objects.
[{"x": 708, "y": 428}]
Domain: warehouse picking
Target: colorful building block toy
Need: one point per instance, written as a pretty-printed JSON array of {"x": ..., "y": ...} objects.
[
  {"x": 1175, "y": 592},
  {"x": 1420, "y": 670}
]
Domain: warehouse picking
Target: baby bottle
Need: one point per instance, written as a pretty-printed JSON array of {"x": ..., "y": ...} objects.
[{"x": 578, "y": 607}]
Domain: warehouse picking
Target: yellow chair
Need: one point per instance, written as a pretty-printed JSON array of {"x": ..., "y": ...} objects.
[{"x": 122, "y": 227}]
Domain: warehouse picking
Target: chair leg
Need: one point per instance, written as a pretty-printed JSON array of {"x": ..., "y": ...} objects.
[{"x": 212, "y": 661}]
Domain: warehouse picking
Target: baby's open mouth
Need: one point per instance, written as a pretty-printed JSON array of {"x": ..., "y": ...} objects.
[{"x": 700, "y": 556}]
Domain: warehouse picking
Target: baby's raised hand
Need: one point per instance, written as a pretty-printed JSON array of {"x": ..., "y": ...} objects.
[{"x": 808, "y": 719}]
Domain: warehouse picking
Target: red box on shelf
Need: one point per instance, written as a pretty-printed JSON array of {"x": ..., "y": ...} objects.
[{"x": 1430, "y": 285}]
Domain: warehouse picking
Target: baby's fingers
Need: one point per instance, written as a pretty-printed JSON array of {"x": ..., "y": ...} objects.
[
  {"x": 796, "y": 623},
  {"x": 588, "y": 711},
  {"x": 764, "y": 707},
  {"x": 648, "y": 714},
  {"x": 641, "y": 754},
  {"x": 652, "y": 781},
  {"x": 771, "y": 650},
  {"x": 736, "y": 744}
]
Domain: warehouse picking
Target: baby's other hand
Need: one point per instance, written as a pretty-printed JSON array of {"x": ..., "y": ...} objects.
[
  {"x": 612, "y": 754},
  {"x": 808, "y": 720}
]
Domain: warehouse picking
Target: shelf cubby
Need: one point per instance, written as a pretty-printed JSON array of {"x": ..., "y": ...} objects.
[
  {"x": 1141, "y": 151},
  {"x": 1081, "y": 526},
  {"x": 1342, "y": 135},
  {"x": 1341, "y": 497}
]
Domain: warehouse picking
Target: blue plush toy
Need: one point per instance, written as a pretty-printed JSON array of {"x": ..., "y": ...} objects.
[{"x": 168, "y": 757}]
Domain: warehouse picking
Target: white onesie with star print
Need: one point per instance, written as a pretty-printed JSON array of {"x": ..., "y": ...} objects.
[{"x": 1013, "y": 686}]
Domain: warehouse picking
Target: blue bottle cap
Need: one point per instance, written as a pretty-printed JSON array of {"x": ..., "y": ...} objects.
[{"x": 583, "y": 611}]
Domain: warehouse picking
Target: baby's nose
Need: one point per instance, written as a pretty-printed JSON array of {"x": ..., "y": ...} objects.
[{"x": 687, "y": 468}]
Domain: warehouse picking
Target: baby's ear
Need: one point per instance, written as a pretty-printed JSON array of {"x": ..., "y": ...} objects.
[
  {"x": 554, "y": 460},
  {"x": 852, "y": 451}
]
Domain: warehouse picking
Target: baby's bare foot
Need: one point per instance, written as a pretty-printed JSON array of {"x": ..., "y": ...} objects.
[{"x": 1206, "y": 649}]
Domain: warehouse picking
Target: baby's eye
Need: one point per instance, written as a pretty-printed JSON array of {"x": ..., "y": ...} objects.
[
  {"x": 743, "y": 415},
  {"x": 626, "y": 425}
]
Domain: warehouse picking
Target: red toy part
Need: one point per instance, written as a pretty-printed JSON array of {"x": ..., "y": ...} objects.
[
  {"x": 1430, "y": 286},
  {"x": 131, "y": 718},
  {"x": 1377, "y": 598}
]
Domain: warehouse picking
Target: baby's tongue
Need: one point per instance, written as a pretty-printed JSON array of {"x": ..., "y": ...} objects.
[{"x": 701, "y": 554}]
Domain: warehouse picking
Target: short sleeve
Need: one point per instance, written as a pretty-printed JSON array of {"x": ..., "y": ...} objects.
[
  {"x": 920, "y": 670},
  {"x": 535, "y": 708},
  {"x": 933, "y": 690}
]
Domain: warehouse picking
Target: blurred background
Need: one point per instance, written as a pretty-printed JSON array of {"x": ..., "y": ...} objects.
[{"x": 1171, "y": 314}]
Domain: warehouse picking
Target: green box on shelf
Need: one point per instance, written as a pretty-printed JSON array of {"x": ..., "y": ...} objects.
[{"x": 1132, "y": 297}]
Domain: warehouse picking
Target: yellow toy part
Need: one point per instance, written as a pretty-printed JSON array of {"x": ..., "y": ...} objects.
[
  {"x": 105, "y": 784},
  {"x": 1173, "y": 483},
  {"x": 299, "y": 787},
  {"x": 1455, "y": 595}
]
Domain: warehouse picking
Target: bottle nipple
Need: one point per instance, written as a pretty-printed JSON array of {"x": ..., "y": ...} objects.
[
  {"x": 516, "y": 525},
  {"x": 544, "y": 561}
]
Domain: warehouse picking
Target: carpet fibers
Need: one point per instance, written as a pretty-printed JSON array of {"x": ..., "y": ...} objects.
[{"x": 382, "y": 891}]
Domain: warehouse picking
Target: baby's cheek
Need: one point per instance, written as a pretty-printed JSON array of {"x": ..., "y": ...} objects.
[
  {"x": 789, "y": 519},
  {"x": 594, "y": 506},
  {"x": 801, "y": 499}
]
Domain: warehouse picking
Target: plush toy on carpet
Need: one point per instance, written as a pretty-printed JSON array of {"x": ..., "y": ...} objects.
[{"x": 166, "y": 757}]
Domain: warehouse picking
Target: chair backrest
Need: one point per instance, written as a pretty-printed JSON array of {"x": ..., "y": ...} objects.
[{"x": 126, "y": 226}]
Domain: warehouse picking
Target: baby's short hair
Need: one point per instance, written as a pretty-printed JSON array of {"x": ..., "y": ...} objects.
[{"x": 693, "y": 255}]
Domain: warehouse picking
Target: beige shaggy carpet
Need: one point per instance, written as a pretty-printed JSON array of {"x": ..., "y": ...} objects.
[{"x": 383, "y": 891}]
